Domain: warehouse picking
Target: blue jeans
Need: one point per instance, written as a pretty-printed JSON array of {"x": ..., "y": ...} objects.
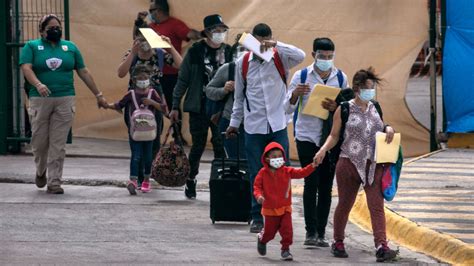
[
  {"x": 230, "y": 145},
  {"x": 254, "y": 146},
  {"x": 141, "y": 158}
]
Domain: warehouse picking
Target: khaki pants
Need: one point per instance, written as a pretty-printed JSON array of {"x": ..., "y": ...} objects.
[{"x": 51, "y": 118}]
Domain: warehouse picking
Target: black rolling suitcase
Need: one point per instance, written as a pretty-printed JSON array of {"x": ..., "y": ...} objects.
[{"x": 229, "y": 187}]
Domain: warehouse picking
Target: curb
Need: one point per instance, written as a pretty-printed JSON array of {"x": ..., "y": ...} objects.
[
  {"x": 418, "y": 238},
  {"x": 413, "y": 236},
  {"x": 423, "y": 156}
]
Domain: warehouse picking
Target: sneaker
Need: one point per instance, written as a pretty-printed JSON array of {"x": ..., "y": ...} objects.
[
  {"x": 322, "y": 242},
  {"x": 261, "y": 248},
  {"x": 40, "y": 180},
  {"x": 132, "y": 186},
  {"x": 310, "y": 240},
  {"x": 384, "y": 253},
  {"x": 338, "y": 250},
  {"x": 55, "y": 189},
  {"x": 256, "y": 227},
  {"x": 190, "y": 188},
  {"x": 146, "y": 187},
  {"x": 286, "y": 255}
]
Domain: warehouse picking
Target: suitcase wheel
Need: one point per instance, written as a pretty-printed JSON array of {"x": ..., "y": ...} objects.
[{"x": 214, "y": 221}]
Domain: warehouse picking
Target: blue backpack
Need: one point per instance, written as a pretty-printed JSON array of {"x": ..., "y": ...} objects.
[{"x": 303, "y": 76}]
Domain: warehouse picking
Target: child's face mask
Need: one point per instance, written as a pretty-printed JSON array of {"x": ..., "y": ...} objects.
[
  {"x": 277, "y": 162},
  {"x": 142, "y": 84}
]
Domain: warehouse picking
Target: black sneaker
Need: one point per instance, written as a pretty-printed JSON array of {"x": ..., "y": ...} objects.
[
  {"x": 310, "y": 240},
  {"x": 261, "y": 248},
  {"x": 286, "y": 255},
  {"x": 322, "y": 242},
  {"x": 40, "y": 180},
  {"x": 256, "y": 227},
  {"x": 384, "y": 253},
  {"x": 190, "y": 188},
  {"x": 338, "y": 250}
]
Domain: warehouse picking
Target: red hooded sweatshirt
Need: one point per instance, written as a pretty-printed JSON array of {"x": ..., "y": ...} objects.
[{"x": 275, "y": 186}]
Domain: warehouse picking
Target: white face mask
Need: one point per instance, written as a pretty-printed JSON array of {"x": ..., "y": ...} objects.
[
  {"x": 324, "y": 65},
  {"x": 277, "y": 162},
  {"x": 218, "y": 37},
  {"x": 142, "y": 84}
]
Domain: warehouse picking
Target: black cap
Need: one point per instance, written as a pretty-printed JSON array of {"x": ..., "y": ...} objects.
[{"x": 212, "y": 21}]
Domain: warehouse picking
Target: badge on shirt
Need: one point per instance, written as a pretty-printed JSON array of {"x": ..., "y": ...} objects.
[
  {"x": 54, "y": 63},
  {"x": 40, "y": 47},
  {"x": 64, "y": 48}
]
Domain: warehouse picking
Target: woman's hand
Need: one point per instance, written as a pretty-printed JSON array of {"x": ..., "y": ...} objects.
[
  {"x": 166, "y": 39},
  {"x": 260, "y": 200},
  {"x": 319, "y": 157},
  {"x": 43, "y": 90},
  {"x": 390, "y": 132},
  {"x": 136, "y": 46}
]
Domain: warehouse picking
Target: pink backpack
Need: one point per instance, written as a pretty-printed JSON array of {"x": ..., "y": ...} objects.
[{"x": 142, "y": 121}]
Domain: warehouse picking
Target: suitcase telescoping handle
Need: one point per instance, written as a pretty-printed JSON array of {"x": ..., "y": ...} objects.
[{"x": 238, "y": 152}]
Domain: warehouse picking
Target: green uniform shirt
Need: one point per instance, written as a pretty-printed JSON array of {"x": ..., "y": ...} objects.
[{"x": 53, "y": 65}]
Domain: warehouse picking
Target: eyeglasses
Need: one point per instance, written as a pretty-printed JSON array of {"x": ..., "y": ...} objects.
[
  {"x": 152, "y": 9},
  {"x": 324, "y": 56}
]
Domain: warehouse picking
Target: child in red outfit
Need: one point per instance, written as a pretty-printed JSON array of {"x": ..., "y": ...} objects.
[{"x": 272, "y": 189}]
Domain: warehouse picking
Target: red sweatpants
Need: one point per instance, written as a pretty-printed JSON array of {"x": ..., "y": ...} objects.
[
  {"x": 281, "y": 224},
  {"x": 348, "y": 183}
]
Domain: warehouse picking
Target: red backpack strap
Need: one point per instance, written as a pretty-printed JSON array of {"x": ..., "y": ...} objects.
[
  {"x": 245, "y": 66},
  {"x": 279, "y": 65},
  {"x": 245, "y": 70}
]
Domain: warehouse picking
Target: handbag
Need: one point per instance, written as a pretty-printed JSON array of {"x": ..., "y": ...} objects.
[{"x": 170, "y": 167}]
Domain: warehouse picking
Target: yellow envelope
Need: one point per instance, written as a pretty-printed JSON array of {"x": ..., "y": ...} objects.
[
  {"x": 154, "y": 39},
  {"x": 318, "y": 95},
  {"x": 384, "y": 152}
]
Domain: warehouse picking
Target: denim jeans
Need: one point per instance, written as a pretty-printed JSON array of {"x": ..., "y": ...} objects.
[
  {"x": 141, "y": 158},
  {"x": 230, "y": 145},
  {"x": 254, "y": 146}
]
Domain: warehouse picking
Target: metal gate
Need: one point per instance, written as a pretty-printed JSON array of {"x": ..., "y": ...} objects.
[{"x": 18, "y": 24}]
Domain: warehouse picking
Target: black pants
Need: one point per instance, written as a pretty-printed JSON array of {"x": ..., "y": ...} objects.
[
  {"x": 317, "y": 190},
  {"x": 199, "y": 126},
  {"x": 168, "y": 82}
]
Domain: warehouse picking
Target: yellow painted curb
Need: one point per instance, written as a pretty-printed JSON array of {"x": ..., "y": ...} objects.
[
  {"x": 418, "y": 238},
  {"x": 423, "y": 156}
]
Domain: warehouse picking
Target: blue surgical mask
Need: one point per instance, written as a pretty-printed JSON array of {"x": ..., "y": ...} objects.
[
  {"x": 366, "y": 94},
  {"x": 152, "y": 18},
  {"x": 324, "y": 65}
]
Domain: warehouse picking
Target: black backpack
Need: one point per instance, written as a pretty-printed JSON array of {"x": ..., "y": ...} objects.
[{"x": 214, "y": 108}]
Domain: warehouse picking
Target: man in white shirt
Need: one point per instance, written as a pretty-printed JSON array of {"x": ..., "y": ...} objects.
[
  {"x": 259, "y": 102},
  {"x": 310, "y": 134}
]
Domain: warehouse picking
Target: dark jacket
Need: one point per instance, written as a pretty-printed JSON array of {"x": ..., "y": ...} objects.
[{"x": 191, "y": 78}]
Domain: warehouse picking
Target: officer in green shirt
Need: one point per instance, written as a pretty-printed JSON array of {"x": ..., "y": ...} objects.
[{"x": 47, "y": 64}]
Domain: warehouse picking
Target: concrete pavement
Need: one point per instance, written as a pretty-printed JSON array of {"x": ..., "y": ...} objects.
[
  {"x": 104, "y": 225},
  {"x": 97, "y": 222}
]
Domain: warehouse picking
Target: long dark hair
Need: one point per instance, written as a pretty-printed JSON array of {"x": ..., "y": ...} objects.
[{"x": 361, "y": 77}]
